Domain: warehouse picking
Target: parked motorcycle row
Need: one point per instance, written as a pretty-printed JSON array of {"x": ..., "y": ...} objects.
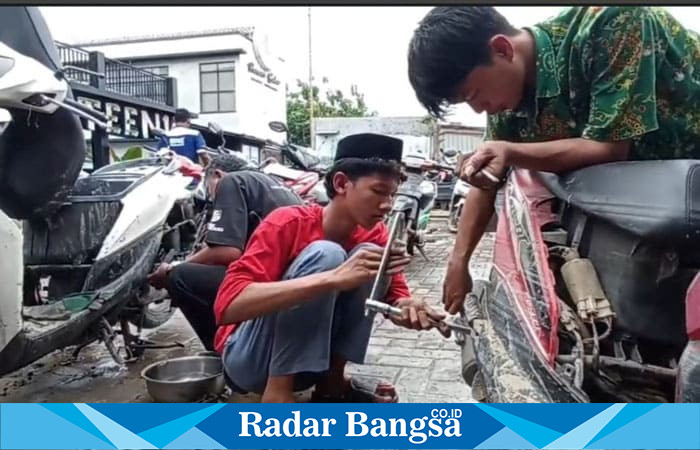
[
  {"x": 76, "y": 263},
  {"x": 593, "y": 296}
]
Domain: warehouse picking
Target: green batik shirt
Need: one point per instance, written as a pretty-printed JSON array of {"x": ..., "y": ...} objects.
[{"x": 611, "y": 74}]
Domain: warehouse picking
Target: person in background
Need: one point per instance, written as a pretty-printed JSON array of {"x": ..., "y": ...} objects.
[
  {"x": 291, "y": 309},
  {"x": 241, "y": 199},
  {"x": 181, "y": 138}
]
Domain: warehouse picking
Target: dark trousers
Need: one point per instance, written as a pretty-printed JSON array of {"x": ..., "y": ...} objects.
[{"x": 192, "y": 288}]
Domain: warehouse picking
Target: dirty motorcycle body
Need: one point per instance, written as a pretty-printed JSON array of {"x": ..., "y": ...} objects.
[
  {"x": 594, "y": 291},
  {"x": 77, "y": 247},
  {"x": 99, "y": 246}
]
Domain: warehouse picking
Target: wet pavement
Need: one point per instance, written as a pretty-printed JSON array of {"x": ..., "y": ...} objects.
[{"x": 424, "y": 366}]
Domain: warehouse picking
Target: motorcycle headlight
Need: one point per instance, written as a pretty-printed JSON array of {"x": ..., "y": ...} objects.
[{"x": 6, "y": 64}]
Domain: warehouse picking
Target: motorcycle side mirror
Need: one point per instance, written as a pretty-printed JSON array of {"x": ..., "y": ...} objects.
[
  {"x": 216, "y": 128},
  {"x": 5, "y": 119},
  {"x": 450, "y": 153},
  {"x": 277, "y": 127}
]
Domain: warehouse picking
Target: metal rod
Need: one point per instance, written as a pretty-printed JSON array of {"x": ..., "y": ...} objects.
[
  {"x": 389, "y": 310},
  {"x": 76, "y": 111},
  {"x": 80, "y": 69},
  {"x": 385, "y": 256},
  {"x": 614, "y": 363}
]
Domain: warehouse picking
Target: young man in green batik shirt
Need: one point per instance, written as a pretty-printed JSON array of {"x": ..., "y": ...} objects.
[{"x": 589, "y": 86}]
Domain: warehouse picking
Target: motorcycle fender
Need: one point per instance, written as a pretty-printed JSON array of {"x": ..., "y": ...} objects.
[
  {"x": 11, "y": 277},
  {"x": 688, "y": 383},
  {"x": 145, "y": 208}
]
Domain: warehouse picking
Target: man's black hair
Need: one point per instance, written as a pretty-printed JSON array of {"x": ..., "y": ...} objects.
[
  {"x": 227, "y": 163},
  {"x": 448, "y": 44},
  {"x": 355, "y": 168},
  {"x": 182, "y": 115}
]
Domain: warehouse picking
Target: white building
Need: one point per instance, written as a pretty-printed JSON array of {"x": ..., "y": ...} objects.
[
  {"x": 227, "y": 76},
  {"x": 422, "y": 138}
]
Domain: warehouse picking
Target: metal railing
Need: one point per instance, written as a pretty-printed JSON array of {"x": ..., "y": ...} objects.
[
  {"x": 129, "y": 80},
  {"x": 94, "y": 69},
  {"x": 75, "y": 61}
]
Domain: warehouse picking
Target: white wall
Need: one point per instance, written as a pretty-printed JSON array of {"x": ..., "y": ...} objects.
[{"x": 256, "y": 104}]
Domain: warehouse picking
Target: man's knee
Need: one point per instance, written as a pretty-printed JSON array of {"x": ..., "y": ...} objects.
[
  {"x": 319, "y": 256},
  {"x": 365, "y": 246}
]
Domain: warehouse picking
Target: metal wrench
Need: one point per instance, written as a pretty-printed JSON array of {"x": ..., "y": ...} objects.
[{"x": 389, "y": 310}]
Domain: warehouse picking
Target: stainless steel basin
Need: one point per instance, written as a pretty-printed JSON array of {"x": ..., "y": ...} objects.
[{"x": 186, "y": 379}]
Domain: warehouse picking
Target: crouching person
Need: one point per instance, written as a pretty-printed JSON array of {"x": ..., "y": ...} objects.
[{"x": 291, "y": 309}]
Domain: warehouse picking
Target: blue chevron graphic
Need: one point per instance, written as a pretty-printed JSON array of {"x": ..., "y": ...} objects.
[
  {"x": 120, "y": 436},
  {"x": 584, "y": 433},
  {"x": 194, "y": 438},
  {"x": 161, "y": 435},
  {"x": 630, "y": 412},
  {"x": 506, "y": 439},
  {"x": 71, "y": 413},
  {"x": 31, "y": 426},
  {"x": 665, "y": 427},
  {"x": 531, "y": 432}
]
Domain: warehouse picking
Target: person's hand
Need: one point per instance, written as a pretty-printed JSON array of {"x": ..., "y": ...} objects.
[
  {"x": 416, "y": 315},
  {"x": 490, "y": 158},
  {"x": 158, "y": 278},
  {"x": 458, "y": 283},
  {"x": 363, "y": 266}
]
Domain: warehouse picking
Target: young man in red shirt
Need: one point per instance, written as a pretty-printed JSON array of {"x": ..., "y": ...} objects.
[{"x": 291, "y": 309}]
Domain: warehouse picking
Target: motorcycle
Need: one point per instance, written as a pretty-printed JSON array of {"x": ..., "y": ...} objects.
[
  {"x": 594, "y": 291},
  {"x": 444, "y": 178},
  {"x": 78, "y": 249},
  {"x": 305, "y": 177},
  {"x": 459, "y": 195},
  {"x": 414, "y": 201}
]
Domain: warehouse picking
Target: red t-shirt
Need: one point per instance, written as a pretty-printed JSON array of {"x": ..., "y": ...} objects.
[{"x": 274, "y": 245}]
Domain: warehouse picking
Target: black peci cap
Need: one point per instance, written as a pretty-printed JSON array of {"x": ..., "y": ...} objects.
[{"x": 369, "y": 145}]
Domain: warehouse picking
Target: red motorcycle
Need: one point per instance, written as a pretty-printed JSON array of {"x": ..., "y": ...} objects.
[{"x": 594, "y": 290}]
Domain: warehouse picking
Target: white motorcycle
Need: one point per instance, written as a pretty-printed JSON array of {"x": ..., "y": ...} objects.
[
  {"x": 459, "y": 195},
  {"x": 77, "y": 249}
]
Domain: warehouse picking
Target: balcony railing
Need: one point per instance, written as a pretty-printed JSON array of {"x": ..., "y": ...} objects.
[{"x": 94, "y": 69}]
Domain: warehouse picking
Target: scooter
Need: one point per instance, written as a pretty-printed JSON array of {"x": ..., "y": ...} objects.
[
  {"x": 459, "y": 195},
  {"x": 414, "y": 201},
  {"x": 594, "y": 291},
  {"x": 305, "y": 177},
  {"x": 444, "y": 178},
  {"x": 76, "y": 258}
]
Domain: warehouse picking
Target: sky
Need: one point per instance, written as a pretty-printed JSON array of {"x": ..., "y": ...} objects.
[{"x": 365, "y": 46}]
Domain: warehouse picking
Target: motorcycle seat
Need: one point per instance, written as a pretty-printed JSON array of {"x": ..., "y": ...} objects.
[{"x": 657, "y": 200}]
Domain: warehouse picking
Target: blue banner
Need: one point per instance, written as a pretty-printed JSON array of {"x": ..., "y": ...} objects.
[{"x": 349, "y": 426}]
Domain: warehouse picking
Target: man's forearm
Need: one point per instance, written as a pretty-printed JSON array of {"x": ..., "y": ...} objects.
[
  {"x": 565, "y": 154},
  {"x": 478, "y": 210},
  {"x": 259, "y": 299}
]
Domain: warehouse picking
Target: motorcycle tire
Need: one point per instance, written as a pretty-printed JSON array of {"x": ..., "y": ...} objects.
[
  {"x": 154, "y": 314},
  {"x": 453, "y": 220}
]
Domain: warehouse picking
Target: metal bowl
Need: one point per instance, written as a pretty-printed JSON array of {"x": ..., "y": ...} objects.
[{"x": 186, "y": 379}]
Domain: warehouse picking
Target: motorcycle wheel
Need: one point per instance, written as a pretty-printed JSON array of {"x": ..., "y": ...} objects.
[
  {"x": 411, "y": 245},
  {"x": 156, "y": 314},
  {"x": 453, "y": 220}
]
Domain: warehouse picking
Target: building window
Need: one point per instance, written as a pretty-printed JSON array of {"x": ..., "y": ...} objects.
[
  {"x": 251, "y": 153},
  {"x": 217, "y": 87},
  {"x": 163, "y": 71}
]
